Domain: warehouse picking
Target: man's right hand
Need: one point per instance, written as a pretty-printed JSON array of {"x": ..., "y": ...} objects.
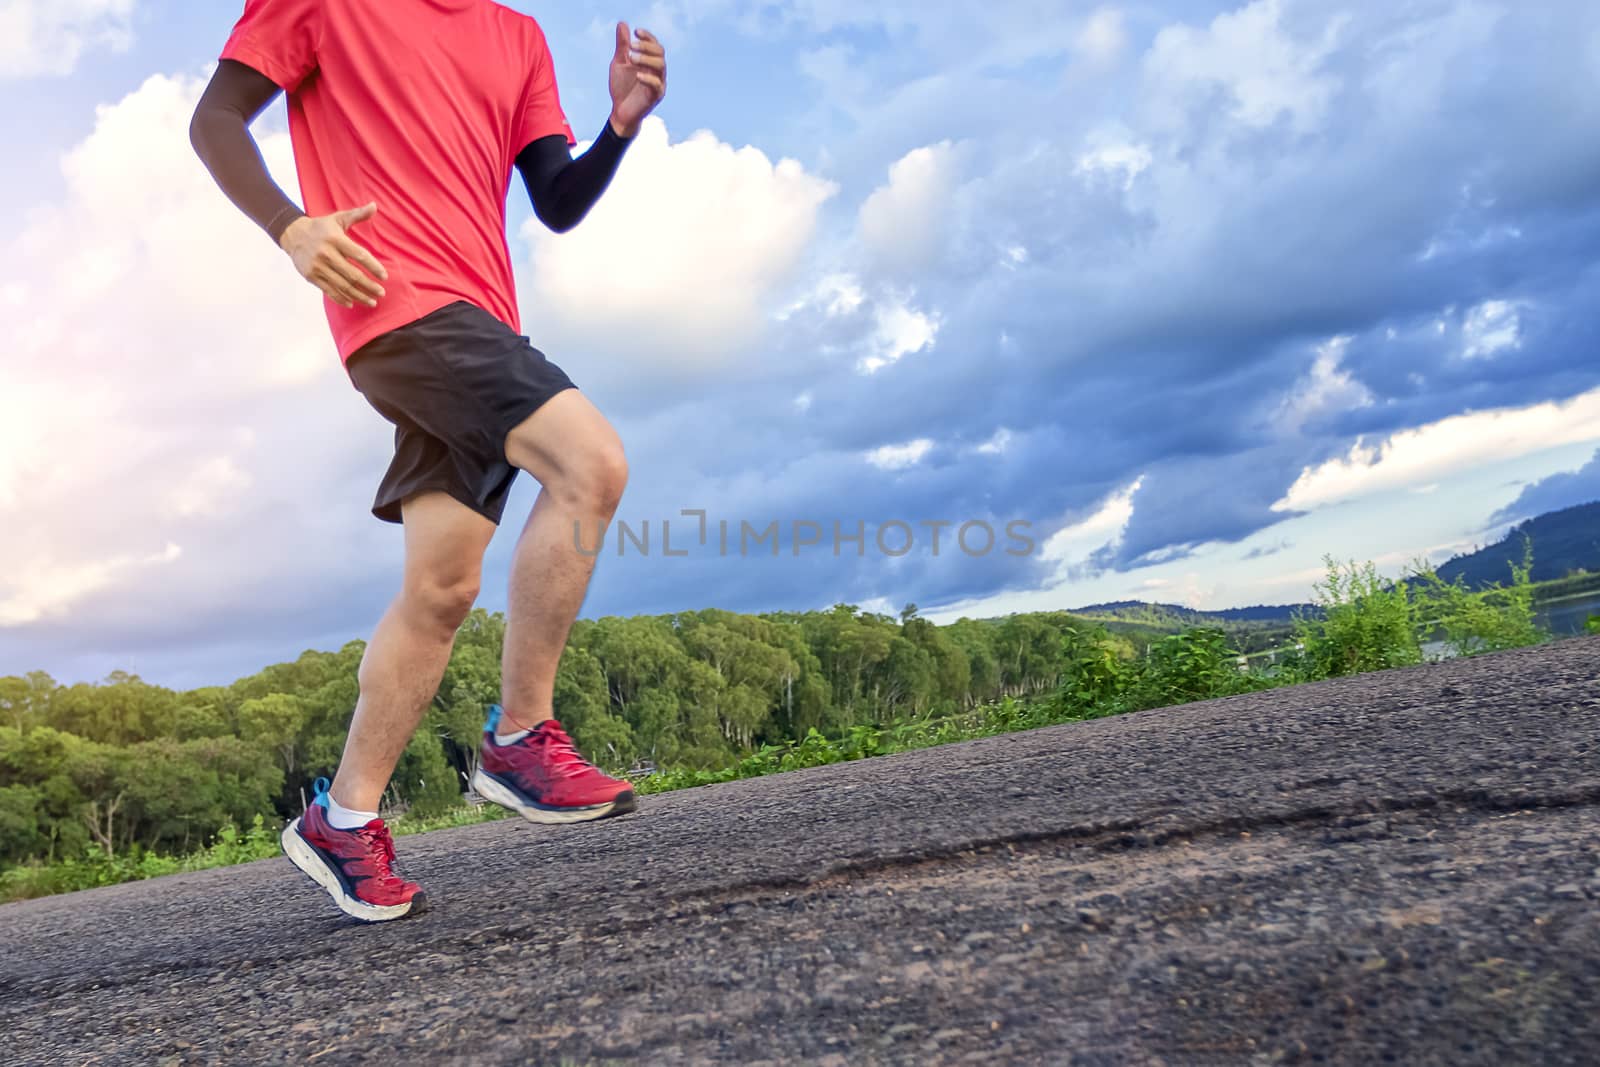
[{"x": 327, "y": 258}]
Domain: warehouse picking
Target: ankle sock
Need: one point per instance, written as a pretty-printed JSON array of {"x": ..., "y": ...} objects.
[
  {"x": 342, "y": 818},
  {"x": 511, "y": 739}
]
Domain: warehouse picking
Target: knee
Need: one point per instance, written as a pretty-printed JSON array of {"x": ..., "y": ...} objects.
[
  {"x": 442, "y": 601},
  {"x": 596, "y": 482}
]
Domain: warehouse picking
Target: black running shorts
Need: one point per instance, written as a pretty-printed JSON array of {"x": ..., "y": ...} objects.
[{"x": 454, "y": 383}]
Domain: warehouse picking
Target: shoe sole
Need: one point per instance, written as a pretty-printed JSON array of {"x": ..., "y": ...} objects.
[
  {"x": 492, "y": 789},
  {"x": 303, "y": 855}
]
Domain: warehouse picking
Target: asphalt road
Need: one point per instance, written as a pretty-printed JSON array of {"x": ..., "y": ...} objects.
[{"x": 1397, "y": 868}]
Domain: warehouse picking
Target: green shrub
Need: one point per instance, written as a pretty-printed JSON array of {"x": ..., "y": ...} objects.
[
  {"x": 94, "y": 868},
  {"x": 257, "y": 843},
  {"x": 1195, "y": 665},
  {"x": 1485, "y": 621},
  {"x": 1365, "y": 625},
  {"x": 1093, "y": 674}
]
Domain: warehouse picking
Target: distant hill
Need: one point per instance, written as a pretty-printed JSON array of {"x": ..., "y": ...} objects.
[
  {"x": 1249, "y": 629},
  {"x": 1563, "y": 542},
  {"x": 1139, "y": 610}
]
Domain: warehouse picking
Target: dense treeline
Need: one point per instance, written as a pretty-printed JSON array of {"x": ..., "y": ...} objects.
[{"x": 125, "y": 765}]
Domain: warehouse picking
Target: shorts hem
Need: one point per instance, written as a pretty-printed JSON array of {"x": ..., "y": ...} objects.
[
  {"x": 390, "y": 511},
  {"x": 528, "y": 410}
]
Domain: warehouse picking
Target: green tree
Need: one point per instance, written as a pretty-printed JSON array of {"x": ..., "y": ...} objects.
[
  {"x": 950, "y": 670},
  {"x": 1028, "y": 651},
  {"x": 25, "y": 702},
  {"x": 120, "y": 711},
  {"x": 275, "y": 722},
  {"x": 424, "y": 783},
  {"x": 976, "y": 641},
  {"x": 471, "y": 685},
  {"x": 584, "y": 708},
  {"x": 849, "y": 644},
  {"x": 21, "y": 835}
]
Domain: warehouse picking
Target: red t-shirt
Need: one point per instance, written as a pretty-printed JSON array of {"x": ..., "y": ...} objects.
[{"x": 421, "y": 106}]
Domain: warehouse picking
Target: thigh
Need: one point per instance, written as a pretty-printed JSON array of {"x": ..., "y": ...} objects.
[
  {"x": 445, "y": 540},
  {"x": 565, "y": 439}
]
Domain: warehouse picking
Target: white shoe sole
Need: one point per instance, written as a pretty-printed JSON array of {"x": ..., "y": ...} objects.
[
  {"x": 312, "y": 865},
  {"x": 492, "y": 790}
]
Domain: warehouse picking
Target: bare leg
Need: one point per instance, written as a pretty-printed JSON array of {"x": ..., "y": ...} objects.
[
  {"x": 573, "y": 452},
  {"x": 404, "y": 662}
]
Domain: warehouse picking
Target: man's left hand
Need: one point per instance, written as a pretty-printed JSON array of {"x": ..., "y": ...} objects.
[{"x": 638, "y": 79}]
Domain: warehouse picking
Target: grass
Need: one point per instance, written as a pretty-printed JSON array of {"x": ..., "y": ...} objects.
[{"x": 862, "y": 742}]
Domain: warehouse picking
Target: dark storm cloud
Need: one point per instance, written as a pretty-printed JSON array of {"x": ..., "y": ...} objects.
[
  {"x": 1268, "y": 550},
  {"x": 1564, "y": 490},
  {"x": 1187, "y": 502},
  {"x": 1151, "y": 342}
]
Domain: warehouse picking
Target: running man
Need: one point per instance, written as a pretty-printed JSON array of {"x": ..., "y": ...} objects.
[{"x": 407, "y": 119}]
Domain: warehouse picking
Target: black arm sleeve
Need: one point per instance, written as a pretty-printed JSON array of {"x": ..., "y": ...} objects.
[
  {"x": 563, "y": 189},
  {"x": 221, "y": 137}
]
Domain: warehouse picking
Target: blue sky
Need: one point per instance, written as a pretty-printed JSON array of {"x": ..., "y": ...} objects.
[{"x": 1200, "y": 292}]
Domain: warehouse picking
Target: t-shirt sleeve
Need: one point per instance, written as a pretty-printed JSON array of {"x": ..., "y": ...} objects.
[
  {"x": 541, "y": 114},
  {"x": 278, "y": 38}
]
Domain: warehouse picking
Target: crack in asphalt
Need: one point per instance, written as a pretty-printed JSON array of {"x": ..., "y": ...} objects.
[{"x": 1133, "y": 834}]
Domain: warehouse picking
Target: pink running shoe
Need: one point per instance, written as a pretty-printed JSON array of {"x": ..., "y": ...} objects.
[
  {"x": 543, "y": 778},
  {"x": 356, "y": 866}
]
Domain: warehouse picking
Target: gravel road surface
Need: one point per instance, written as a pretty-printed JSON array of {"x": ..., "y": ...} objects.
[{"x": 1396, "y": 868}]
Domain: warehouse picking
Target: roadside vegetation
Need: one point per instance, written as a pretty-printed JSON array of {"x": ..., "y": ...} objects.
[{"x": 108, "y": 783}]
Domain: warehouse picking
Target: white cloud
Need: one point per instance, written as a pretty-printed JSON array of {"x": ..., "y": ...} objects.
[
  {"x": 1433, "y": 452},
  {"x": 48, "y": 36},
  {"x": 684, "y": 253},
  {"x": 1103, "y": 529},
  {"x": 173, "y": 373},
  {"x": 903, "y": 223},
  {"x": 844, "y": 294},
  {"x": 1327, "y": 388},
  {"x": 208, "y": 488},
  {"x": 996, "y": 445},
  {"x": 1248, "y": 54},
  {"x": 1491, "y": 327},
  {"x": 40, "y": 589},
  {"x": 138, "y": 238},
  {"x": 834, "y": 294},
  {"x": 1102, "y": 37},
  {"x": 899, "y": 457},
  {"x": 1121, "y": 160},
  {"x": 900, "y": 330}
]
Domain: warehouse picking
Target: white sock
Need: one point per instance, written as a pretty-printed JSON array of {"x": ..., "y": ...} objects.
[
  {"x": 511, "y": 739},
  {"x": 342, "y": 818}
]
